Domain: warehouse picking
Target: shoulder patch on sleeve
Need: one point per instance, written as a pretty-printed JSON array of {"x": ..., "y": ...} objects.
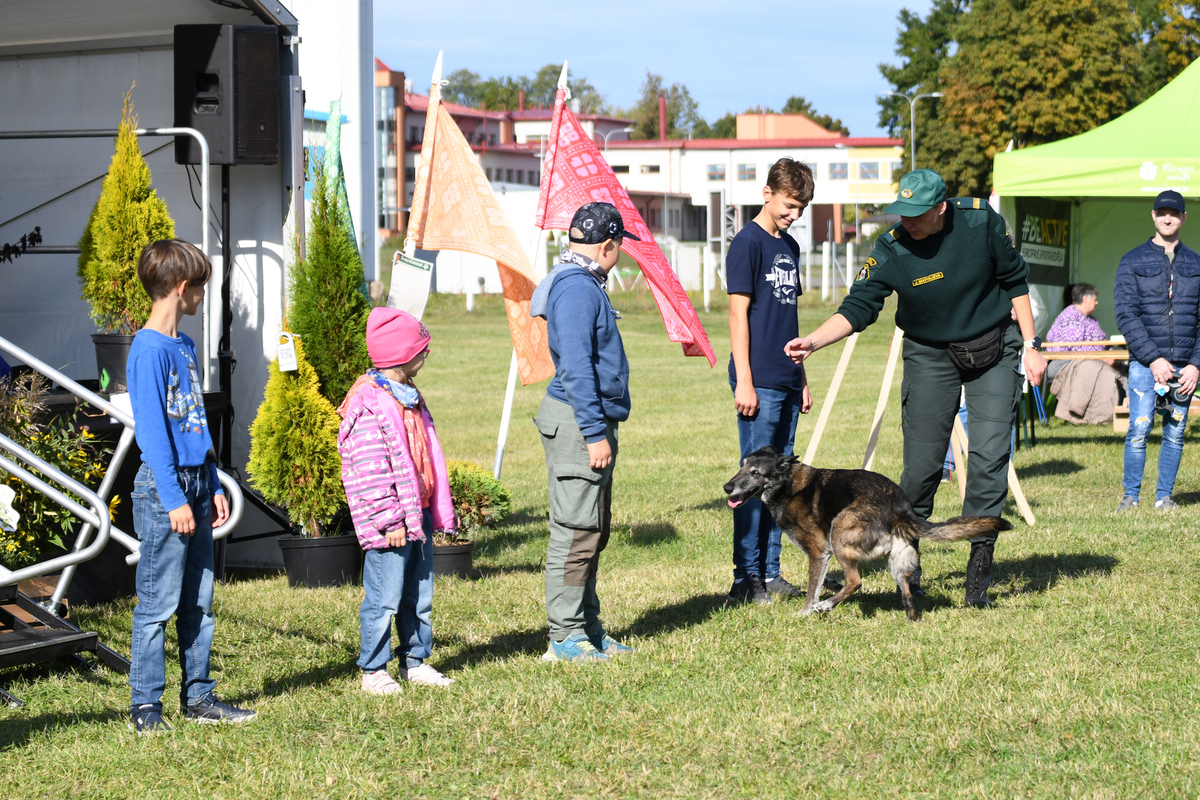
[
  {"x": 865, "y": 272},
  {"x": 970, "y": 202}
]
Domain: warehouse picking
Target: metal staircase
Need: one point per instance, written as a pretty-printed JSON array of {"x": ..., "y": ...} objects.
[{"x": 30, "y": 632}]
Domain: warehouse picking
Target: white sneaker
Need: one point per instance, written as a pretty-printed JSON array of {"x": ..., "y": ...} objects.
[
  {"x": 425, "y": 674},
  {"x": 379, "y": 682}
]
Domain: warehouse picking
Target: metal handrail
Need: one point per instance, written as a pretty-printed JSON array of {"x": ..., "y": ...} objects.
[
  {"x": 97, "y": 518},
  {"x": 233, "y": 491}
]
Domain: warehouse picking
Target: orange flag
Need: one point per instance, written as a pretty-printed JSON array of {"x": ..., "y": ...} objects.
[{"x": 453, "y": 208}]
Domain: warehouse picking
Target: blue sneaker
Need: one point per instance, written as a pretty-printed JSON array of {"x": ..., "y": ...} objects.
[
  {"x": 574, "y": 648},
  {"x": 611, "y": 647}
]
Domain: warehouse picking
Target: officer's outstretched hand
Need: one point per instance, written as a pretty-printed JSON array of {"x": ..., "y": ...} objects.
[{"x": 799, "y": 349}]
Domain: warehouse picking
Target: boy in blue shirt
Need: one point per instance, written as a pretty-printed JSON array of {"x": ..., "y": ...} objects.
[
  {"x": 769, "y": 391},
  {"x": 177, "y": 500},
  {"x": 578, "y": 419}
]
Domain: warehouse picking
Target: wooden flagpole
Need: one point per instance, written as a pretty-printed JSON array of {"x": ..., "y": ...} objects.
[
  {"x": 884, "y": 390},
  {"x": 959, "y": 438},
  {"x": 827, "y": 406},
  {"x": 510, "y": 390}
]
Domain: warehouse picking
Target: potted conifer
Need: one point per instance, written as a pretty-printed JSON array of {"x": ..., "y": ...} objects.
[
  {"x": 327, "y": 306},
  {"x": 294, "y": 464},
  {"x": 480, "y": 501},
  {"x": 127, "y": 216}
]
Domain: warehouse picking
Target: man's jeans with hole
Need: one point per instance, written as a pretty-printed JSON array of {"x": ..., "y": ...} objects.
[
  {"x": 1141, "y": 421},
  {"x": 174, "y": 576},
  {"x": 756, "y": 537},
  {"x": 397, "y": 584}
]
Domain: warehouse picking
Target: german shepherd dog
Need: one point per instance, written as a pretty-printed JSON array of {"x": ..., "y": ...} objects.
[{"x": 852, "y": 514}]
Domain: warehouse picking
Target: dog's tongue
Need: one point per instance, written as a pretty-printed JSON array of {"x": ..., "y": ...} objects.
[{"x": 735, "y": 500}]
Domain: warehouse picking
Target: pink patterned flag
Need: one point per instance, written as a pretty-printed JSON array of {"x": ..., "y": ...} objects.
[
  {"x": 453, "y": 208},
  {"x": 576, "y": 174}
]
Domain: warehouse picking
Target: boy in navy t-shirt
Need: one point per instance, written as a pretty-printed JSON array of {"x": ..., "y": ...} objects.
[
  {"x": 769, "y": 391},
  {"x": 176, "y": 498}
]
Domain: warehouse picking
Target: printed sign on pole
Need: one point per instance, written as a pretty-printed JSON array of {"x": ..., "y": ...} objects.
[
  {"x": 1043, "y": 237},
  {"x": 411, "y": 278}
]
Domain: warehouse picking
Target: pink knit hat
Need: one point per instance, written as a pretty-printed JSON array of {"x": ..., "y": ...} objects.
[{"x": 394, "y": 337}]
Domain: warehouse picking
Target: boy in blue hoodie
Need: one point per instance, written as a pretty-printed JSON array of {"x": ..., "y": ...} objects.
[
  {"x": 578, "y": 419},
  {"x": 176, "y": 498}
]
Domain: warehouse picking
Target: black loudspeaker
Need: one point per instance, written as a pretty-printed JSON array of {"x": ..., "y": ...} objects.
[{"x": 227, "y": 87}]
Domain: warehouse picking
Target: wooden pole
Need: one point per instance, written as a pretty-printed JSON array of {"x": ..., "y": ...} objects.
[
  {"x": 958, "y": 438},
  {"x": 884, "y": 390},
  {"x": 1014, "y": 486},
  {"x": 827, "y": 406}
]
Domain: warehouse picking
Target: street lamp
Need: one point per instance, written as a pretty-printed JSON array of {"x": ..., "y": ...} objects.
[
  {"x": 614, "y": 130},
  {"x": 912, "y": 119}
]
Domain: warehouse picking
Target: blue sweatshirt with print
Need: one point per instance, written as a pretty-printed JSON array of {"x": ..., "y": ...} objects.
[{"x": 168, "y": 411}]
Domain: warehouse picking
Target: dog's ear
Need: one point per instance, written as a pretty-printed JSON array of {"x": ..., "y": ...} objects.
[{"x": 792, "y": 460}]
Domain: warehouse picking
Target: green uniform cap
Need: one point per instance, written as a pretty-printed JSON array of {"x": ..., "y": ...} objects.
[{"x": 920, "y": 190}]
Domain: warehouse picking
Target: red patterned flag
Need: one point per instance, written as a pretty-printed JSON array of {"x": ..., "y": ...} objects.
[{"x": 576, "y": 174}]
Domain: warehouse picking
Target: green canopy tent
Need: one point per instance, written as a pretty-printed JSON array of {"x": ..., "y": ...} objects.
[{"x": 1109, "y": 175}]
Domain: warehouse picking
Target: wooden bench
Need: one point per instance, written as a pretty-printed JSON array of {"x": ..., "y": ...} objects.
[{"x": 1120, "y": 413}]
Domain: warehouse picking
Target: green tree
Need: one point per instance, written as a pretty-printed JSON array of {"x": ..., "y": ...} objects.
[
  {"x": 1026, "y": 71},
  {"x": 502, "y": 93},
  {"x": 723, "y": 128},
  {"x": 294, "y": 460},
  {"x": 683, "y": 115},
  {"x": 799, "y": 105},
  {"x": 327, "y": 307},
  {"x": 1170, "y": 34},
  {"x": 127, "y": 216}
]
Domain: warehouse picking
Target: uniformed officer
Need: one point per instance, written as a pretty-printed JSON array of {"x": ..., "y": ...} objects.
[{"x": 959, "y": 280}]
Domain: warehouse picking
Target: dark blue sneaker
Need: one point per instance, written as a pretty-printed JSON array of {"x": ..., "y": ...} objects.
[
  {"x": 611, "y": 647},
  {"x": 211, "y": 710},
  {"x": 147, "y": 720},
  {"x": 574, "y": 648}
]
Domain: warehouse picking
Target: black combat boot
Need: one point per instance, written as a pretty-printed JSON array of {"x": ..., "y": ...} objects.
[{"x": 979, "y": 573}]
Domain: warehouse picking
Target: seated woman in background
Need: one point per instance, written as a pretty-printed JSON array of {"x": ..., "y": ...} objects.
[{"x": 1087, "y": 389}]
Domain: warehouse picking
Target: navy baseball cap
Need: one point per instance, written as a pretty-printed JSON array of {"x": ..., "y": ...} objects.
[
  {"x": 1169, "y": 199},
  {"x": 598, "y": 222}
]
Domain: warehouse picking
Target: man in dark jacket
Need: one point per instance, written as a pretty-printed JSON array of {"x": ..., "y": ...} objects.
[{"x": 1157, "y": 300}]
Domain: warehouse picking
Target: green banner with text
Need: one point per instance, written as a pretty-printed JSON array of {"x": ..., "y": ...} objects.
[{"x": 1043, "y": 237}]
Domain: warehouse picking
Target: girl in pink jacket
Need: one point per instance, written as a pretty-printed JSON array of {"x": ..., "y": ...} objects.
[{"x": 395, "y": 478}]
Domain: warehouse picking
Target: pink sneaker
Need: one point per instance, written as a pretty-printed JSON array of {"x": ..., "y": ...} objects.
[
  {"x": 379, "y": 682},
  {"x": 426, "y": 675}
]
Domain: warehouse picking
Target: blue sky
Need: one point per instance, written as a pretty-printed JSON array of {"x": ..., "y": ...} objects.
[{"x": 729, "y": 58}]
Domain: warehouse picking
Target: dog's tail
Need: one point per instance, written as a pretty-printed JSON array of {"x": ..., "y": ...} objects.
[{"x": 954, "y": 530}]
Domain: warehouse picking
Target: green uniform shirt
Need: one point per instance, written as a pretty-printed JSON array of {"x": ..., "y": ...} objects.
[{"x": 951, "y": 286}]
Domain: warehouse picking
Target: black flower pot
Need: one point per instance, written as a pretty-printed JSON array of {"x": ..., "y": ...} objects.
[
  {"x": 324, "y": 561},
  {"x": 112, "y": 351},
  {"x": 453, "y": 559}
]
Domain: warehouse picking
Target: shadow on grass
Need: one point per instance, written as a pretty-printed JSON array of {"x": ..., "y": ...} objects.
[
  {"x": 1040, "y": 573},
  {"x": 17, "y": 732},
  {"x": 716, "y": 504},
  {"x": 1055, "y": 466},
  {"x": 687, "y": 613},
  {"x": 649, "y": 535},
  {"x": 1186, "y": 498},
  {"x": 526, "y": 641}
]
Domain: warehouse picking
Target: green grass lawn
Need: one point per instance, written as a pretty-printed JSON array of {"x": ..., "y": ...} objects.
[{"x": 1081, "y": 682}]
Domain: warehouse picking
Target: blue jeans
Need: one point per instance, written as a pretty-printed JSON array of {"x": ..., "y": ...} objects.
[
  {"x": 1141, "y": 420},
  {"x": 174, "y": 576},
  {"x": 398, "y": 582},
  {"x": 756, "y": 537}
]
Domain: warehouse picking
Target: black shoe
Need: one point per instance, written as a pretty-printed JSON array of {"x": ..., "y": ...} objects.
[
  {"x": 750, "y": 589},
  {"x": 979, "y": 573},
  {"x": 210, "y": 710},
  {"x": 147, "y": 720},
  {"x": 781, "y": 588}
]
